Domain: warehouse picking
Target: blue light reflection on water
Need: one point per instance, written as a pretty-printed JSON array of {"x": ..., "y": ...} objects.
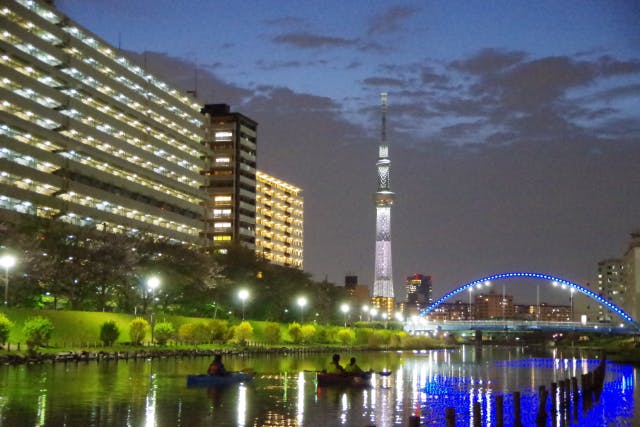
[
  {"x": 153, "y": 392},
  {"x": 615, "y": 406}
]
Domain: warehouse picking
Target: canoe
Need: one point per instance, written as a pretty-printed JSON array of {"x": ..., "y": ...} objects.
[
  {"x": 362, "y": 380},
  {"x": 219, "y": 380}
]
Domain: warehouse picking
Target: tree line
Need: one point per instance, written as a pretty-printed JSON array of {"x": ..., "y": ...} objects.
[{"x": 63, "y": 266}]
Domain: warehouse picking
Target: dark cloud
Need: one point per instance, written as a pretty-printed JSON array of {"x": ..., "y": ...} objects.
[
  {"x": 497, "y": 205},
  {"x": 383, "y": 81},
  {"x": 276, "y": 65},
  {"x": 307, "y": 40},
  {"x": 391, "y": 19},
  {"x": 488, "y": 61}
]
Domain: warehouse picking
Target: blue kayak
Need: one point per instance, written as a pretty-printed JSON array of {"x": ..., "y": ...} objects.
[{"x": 219, "y": 380}]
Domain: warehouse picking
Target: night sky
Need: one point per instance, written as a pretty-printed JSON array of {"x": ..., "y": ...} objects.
[{"x": 513, "y": 126}]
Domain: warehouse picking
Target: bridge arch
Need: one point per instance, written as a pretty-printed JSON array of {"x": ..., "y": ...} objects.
[{"x": 530, "y": 275}]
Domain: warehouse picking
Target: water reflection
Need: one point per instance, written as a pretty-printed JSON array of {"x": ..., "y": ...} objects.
[{"x": 284, "y": 393}]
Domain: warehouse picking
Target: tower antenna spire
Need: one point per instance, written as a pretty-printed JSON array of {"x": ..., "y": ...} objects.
[{"x": 383, "y": 283}]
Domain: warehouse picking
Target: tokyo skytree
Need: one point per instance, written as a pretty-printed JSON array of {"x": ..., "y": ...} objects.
[{"x": 383, "y": 282}]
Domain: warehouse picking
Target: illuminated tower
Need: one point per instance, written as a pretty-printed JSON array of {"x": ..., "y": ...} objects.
[{"x": 383, "y": 282}]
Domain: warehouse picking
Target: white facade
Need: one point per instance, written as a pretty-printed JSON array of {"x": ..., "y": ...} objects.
[
  {"x": 279, "y": 221},
  {"x": 91, "y": 138}
]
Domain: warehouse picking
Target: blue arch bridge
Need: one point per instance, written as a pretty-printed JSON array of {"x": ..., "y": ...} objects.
[{"x": 626, "y": 324}]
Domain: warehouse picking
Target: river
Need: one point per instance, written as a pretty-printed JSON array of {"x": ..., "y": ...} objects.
[{"x": 284, "y": 392}]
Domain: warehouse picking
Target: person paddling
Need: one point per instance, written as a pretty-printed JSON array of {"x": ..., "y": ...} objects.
[
  {"x": 334, "y": 366},
  {"x": 217, "y": 367},
  {"x": 353, "y": 368}
]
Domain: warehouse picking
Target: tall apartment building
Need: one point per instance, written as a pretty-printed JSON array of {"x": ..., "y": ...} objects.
[
  {"x": 279, "y": 221},
  {"x": 631, "y": 263},
  {"x": 493, "y": 306},
  {"x": 611, "y": 286},
  {"x": 419, "y": 289},
  {"x": 231, "y": 170},
  {"x": 91, "y": 138}
]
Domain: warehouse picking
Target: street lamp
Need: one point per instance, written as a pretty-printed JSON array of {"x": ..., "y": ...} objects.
[
  {"x": 345, "y": 309},
  {"x": 7, "y": 261},
  {"x": 470, "y": 292},
  {"x": 152, "y": 283},
  {"x": 302, "y": 301},
  {"x": 373, "y": 313},
  {"x": 365, "y": 308},
  {"x": 243, "y": 295}
]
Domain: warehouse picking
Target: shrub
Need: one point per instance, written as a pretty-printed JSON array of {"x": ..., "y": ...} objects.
[
  {"x": 163, "y": 332},
  {"x": 218, "y": 330},
  {"x": 37, "y": 331},
  {"x": 243, "y": 332},
  {"x": 295, "y": 332},
  {"x": 138, "y": 330},
  {"x": 194, "y": 333},
  {"x": 346, "y": 336},
  {"x": 272, "y": 333},
  {"x": 308, "y": 333},
  {"x": 5, "y": 328},
  {"x": 109, "y": 332}
]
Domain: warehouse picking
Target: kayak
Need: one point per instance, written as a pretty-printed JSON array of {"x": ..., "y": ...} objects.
[
  {"x": 362, "y": 380},
  {"x": 204, "y": 380}
]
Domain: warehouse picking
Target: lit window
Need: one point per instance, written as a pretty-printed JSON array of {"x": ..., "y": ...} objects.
[
  {"x": 222, "y": 225},
  {"x": 222, "y": 161},
  {"x": 224, "y": 237},
  {"x": 224, "y": 136}
]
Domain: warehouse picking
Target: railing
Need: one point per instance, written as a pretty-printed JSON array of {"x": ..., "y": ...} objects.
[{"x": 518, "y": 325}]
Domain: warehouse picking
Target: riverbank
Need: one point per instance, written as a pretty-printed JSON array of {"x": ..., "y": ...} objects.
[{"x": 86, "y": 356}]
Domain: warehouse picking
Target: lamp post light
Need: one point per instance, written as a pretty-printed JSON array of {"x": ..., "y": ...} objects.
[
  {"x": 345, "y": 309},
  {"x": 470, "y": 292},
  {"x": 373, "y": 313},
  {"x": 243, "y": 295},
  {"x": 365, "y": 309},
  {"x": 302, "y": 301},
  {"x": 7, "y": 261},
  {"x": 152, "y": 283},
  {"x": 571, "y": 297}
]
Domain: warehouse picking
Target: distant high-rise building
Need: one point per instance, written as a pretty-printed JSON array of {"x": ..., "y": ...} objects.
[
  {"x": 611, "y": 286},
  {"x": 91, "y": 138},
  {"x": 493, "y": 306},
  {"x": 279, "y": 221},
  {"x": 383, "y": 279},
  {"x": 419, "y": 290},
  {"x": 231, "y": 172},
  {"x": 631, "y": 263},
  {"x": 358, "y": 293}
]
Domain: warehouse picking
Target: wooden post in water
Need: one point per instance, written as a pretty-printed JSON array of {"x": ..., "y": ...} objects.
[
  {"x": 477, "y": 418},
  {"x": 500, "y": 410},
  {"x": 541, "y": 418},
  {"x": 574, "y": 389},
  {"x": 450, "y": 417},
  {"x": 554, "y": 393},
  {"x": 517, "y": 413}
]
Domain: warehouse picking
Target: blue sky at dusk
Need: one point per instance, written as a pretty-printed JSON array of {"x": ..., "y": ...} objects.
[{"x": 514, "y": 126}]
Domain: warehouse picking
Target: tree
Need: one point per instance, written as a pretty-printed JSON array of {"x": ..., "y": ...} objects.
[
  {"x": 5, "y": 328},
  {"x": 38, "y": 331},
  {"x": 109, "y": 332},
  {"x": 272, "y": 333},
  {"x": 295, "y": 332},
  {"x": 163, "y": 332},
  {"x": 243, "y": 332},
  {"x": 308, "y": 333},
  {"x": 346, "y": 336},
  {"x": 138, "y": 330}
]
